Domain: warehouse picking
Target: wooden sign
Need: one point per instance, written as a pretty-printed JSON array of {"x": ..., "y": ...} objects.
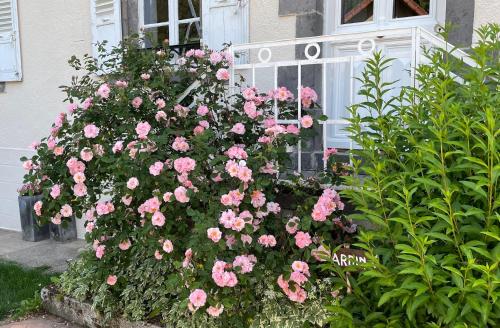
[{"x": 347, "y": 257}]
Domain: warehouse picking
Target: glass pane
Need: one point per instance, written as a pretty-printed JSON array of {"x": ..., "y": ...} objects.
[
  {"x": 189, "y": 32},
  {"x": 155, "y": 36},
  {"x": 410, "y": 8},
  {"x": 189, "y": 9},
  {"x": 155, "y": 11},
  {"x": 357, "y": 11}
]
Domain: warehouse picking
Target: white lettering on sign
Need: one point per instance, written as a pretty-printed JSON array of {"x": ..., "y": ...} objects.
[{"x": 348, "y": 257}]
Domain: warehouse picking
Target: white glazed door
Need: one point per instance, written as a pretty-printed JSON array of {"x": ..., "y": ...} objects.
[{"x": 355, "y": 16}]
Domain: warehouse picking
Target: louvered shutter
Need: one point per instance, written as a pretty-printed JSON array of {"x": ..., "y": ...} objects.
[
  {"x": 106, "y": 23},
  {"x": 10, "y": 51},
  {"x": 225, "y": 21}
]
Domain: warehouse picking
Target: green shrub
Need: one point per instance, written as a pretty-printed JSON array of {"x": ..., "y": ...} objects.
[{"x": 430, "y": 160}]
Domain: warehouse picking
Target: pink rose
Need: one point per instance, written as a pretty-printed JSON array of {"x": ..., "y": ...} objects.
[
  {"x": 184, "y": 165},
  {"x": 124, "y": 245},
  {"x": 86, "y": 154},
  {"x": 238, "y": 128},
  {"x": 79, "y": 177},
  {"x": 215, "y": 58},
  {"x": 292, "y": 129},
  {"x": 329, "y": 152},
  {"x": 167, "y": 197},
  {"x": 198, "y": 298},
  {"x": 91, "y": 131},
  {"x": 198, "y": 130},
  {"x": 160, "y": 103},
  {"x": 180, "y": 144},
  {"x": 127, "y": 200},
  {"x": 222, "y": 74},
  {"x": 168, "y": 247},
  {"x": 72, "y": 107},
  {"x": 267, "y": 240},
  {"x": 214, "y": 234},
  {"x": 300, "y": 266},
  {"x": 118, "y": 147},
  {"x": 292, "y": 225},
  {"x": 180, "y": 194},
  {"x": 308, "y": 96},
  {"x": 80, "y": 189},
  {"x": 250, "y": 109},
  {"x": 137, "y": 102},
  {"x": 111, "y": 280},
  {"x": 202, "y": 110},
  {"x": 103, "y": 91},
  {"x": 99, "y": 251},
  {"x": 55, "y": 191},
  {"x": 306, "y": 121},
  {"x": 56, "y": 219},
  {"x": 87, "y": 103},
  {"x": 302, "y": 239},
  {"x": 28, "y": 165},
  {"x": 158, "y": 219},
  {"x": 246, "y": 239},
  {"x": 58, "y": 151},
  {"x": 121, "y": 84},
  {"x": 160, "y": 115},
  {"x": 66, "y": 211},
  {"x": 132, "y": 183},
  {"x": 158, "y": 255},
  {"x": 142, "y": 129},
  {"x": 145, "y": 76},
  {"x": 249, "y": 93},
  {"x": 38, "y": 208},
  {"x": 156, "y": 168},
  {"x": 214, "y": 311}
]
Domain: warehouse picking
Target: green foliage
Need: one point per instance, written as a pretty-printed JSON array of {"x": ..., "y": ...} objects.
[{"x": 430, "y": 165}]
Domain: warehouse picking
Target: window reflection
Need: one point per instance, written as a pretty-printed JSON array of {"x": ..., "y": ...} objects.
[
  {"x": 155, "y": 11},
  {"x": 357, "y": 11},
  {"x": 410, "y": 8},
  {"x": 189, "y": 9}
]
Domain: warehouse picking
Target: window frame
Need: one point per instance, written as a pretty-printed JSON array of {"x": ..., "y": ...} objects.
[
  {"x": 173, "y": 22},
  {"x": 382, "y": 17}
]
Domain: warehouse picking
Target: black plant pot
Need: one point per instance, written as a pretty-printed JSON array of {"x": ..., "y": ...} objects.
[
  {"x": 65, "y": 231},
  {"x": 32, "y": 231}
]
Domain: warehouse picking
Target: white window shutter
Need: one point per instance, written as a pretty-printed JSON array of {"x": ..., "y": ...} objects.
[
  {"x": 10, "y": 50},
  {"x": 106, "y": 23},
  {"x": 225, "y": 21}
]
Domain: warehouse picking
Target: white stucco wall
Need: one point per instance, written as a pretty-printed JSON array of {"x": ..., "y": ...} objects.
[
  {"x": 50, "y": 33},
  {"x": 267, "y": 25},
  {"x": 486, "y": 11}
]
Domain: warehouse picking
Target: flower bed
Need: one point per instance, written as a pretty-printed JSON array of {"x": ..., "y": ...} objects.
[{"x": 179, "y": 195}]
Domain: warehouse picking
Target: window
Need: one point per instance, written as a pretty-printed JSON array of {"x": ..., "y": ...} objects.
[
  {"x": 175, "y": 20},
  {"x": 10, "y": 51},
  {"x": 356, "y": 11},
  {"x": 369, "y": 15},
  {"x": 410, "y": 8}
]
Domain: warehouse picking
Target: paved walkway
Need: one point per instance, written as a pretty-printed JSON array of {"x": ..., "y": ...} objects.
[
  {"x": 35, "y": 254},
  {"x": 42, "y": 321}
]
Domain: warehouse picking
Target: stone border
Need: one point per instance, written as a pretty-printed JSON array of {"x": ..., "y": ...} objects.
[{"x": 81, "y": 313}]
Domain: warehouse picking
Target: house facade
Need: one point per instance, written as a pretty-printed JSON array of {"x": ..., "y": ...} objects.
[{"x": 38, "y": 37}]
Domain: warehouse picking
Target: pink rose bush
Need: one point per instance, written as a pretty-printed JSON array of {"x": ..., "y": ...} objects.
[{"x": 181, "y": 200}]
